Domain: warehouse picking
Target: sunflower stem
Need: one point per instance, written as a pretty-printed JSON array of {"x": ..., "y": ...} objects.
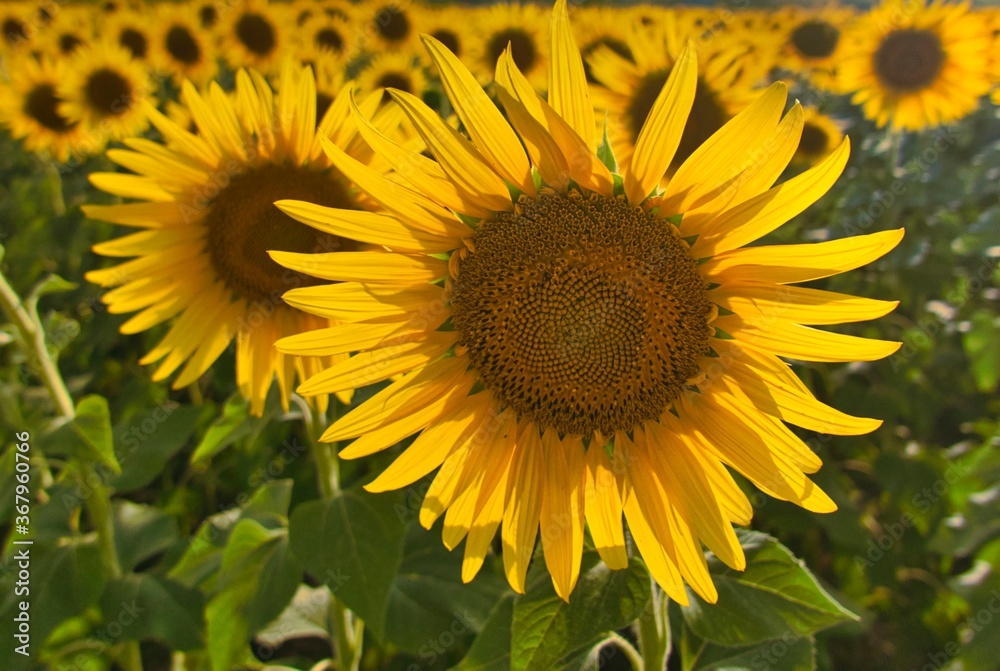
[
  {"x": 896, "y": 137},
  {"x": 346, "y": 628},
  {"x": 654, "y": 632},
  {"x": 33, "y": 341},
  {"x": 98, "y": 504}
]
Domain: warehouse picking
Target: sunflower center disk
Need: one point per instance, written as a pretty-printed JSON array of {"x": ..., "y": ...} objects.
[
  {"x": 183, "y": 46},
  {"x": 109, "y": 92},
  {"x": 581, "y": 314},
  {"x": 909, "y": 60},
  {"x": 814, "y": 140},
  {"x": 522, "y": 48},
  {"x": 256, "y": 34},
  {"x": 243, "y": 225},
  {"x": 815, "y": 39},
  {"x": 42, "y": 105}
]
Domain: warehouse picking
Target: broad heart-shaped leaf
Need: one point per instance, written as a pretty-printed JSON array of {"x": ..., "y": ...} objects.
[
  {"x": 354, "y": 543},
  {"x": 149, "y": 606},
  {"x": 547, "y": 632},
  {"x": 789, "y": 653},
  {"x": 429, "y": 607},
  {"x": 141, "y": 532},
  {"x": 258, "y": 578},
  {"x": 775, "y": 597},
  {"x": 64, "y": 581},
  {"x": 203, "y": 556},
  {"x": 147, "y": 441},
  {"x": 93, "y": 424},
  {"x": 491, "y": 649}
]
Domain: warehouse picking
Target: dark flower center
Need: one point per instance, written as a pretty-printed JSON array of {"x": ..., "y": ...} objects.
[
  {"x": 183, "y": 46},
  {"x": 69, "y": 43},
  {"x": 243, "y": 225},
  {"x": 392, "y": 24},
  {"x": 14, "y": 31},
  {"x": 814, "y": 140},
  {"x": 135, "y": 42},
  {"x": 108, "y": 92},
  {"x": 257, "y": 34},
  {"x": 909, "y": 60},
  {"x": 815, "y": 39},
  {"x": 42, "y": 105},
  {"x": 522, "y": 48},
  {"x": 208, "y": 16},
  {"x": 330, "y": 39},
  {"x": 395, "y": 80},
  {"x": 581, "y": 313}
]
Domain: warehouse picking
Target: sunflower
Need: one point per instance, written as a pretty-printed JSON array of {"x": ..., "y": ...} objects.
[
  {"x": 256, "y": 35},
  {"x": 521, "y": 26},
  {"x": 912, "y": 65},
  {"x": 208, "y": 14},
  {"x": 17, "y": 27},
  {"x": 69, "y": 32},
  {"x": 104, "y": 89},
  {"x": 385, "y": 25},
  {"x": 30, "y": 109},
  {"x": 326, "y": 38},
  {"x": 820, "y": 136},
  {"x": 576, "y": 357},
  {"x": 181, "y": 47},
  {"x": 129, "y": 31},
  {"x": 205, "y": 204},
  {"x": 402, "y": 71},
  {"x": 629, "y": 88}
]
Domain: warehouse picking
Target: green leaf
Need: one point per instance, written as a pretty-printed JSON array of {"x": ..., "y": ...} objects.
[
  {"x": 429, "y": 606},
  {"x": 775, "y": 597},
  {"x": 146, "y": 443},
  {"x": 93, "y": 424},
  {"x": 782, "y": 654},
  {"x": 203, "y": 556},
  {"x": 64, "y": 580},
  {"x": 149, "y": 606},
  {"x": 234, "y": 423},
  {"x": 983, "y": 349},
  {"x": 141, "y": 532},
  {"x": 258, "y": 578},
  {"x": 548, "y": 632},
  {"x": 51, "y": 284},
  {"x": 354, "y": 543},
  {"x": 491, "y": 649}
]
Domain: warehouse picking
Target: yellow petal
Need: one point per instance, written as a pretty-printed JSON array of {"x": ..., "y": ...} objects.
[
  {"x": 569, "y": 93},
  {"x": 712, "y": 167},
  {"x": 662, "y": 130},
  {"x": 411, "y": 207},
  {"x": 784, "y": 264},
  {"x": 762, "y": 214},
  {"x": 773, "y": 388},
  {"x": 604, "y": 509},
  {"x": 369, "y": 267},
  {"x": 130, "y": 186},
  {"x": 562, "y": 511},
  {"x": 144, "y": 215},
  {"x": 369, "y": 227},
  {"x": 484, "y": 123},
  {"x": 788, "y": 339},
  {"x": 474, "y": 179},
  {"x": 524, "y": 503},
  {"x": 355, "y": 302},
  {"x": 804, "y": 306},
  {"x": 380, "y": 364}
]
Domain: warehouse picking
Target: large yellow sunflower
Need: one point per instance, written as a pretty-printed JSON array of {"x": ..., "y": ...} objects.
[
  {"x": 130, "y": 31},
  {"x": 29, "y": 107},
  {"x": 205, "y": 204},
  {"x": 520, "y": 26},
  {"x": 104, "y": 90},
  {"x": 913, "y": 65},
  {"x": 628, "y": 88},
  {"x": 256, "y": 34},
  {"x": 181, "y": 48},
  {"x": 576, "y": 356}
]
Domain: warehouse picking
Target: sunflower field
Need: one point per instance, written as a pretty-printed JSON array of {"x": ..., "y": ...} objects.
[{"x": 409, "y": 335}]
